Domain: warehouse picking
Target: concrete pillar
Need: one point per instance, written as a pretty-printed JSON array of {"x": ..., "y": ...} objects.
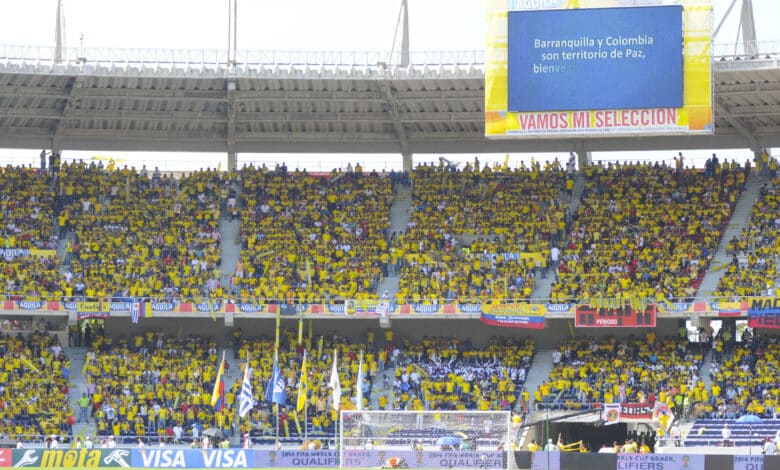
[
  {"x": 407, "y": 162},
  {"x": 584, "y": 158},
  {"x": 232, "y": 161}
]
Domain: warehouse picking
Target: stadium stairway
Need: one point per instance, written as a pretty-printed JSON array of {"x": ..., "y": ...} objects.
[
  {"x": 231, "y": 248},
  {"x": 540, "y": 371},
  {"x": 77, "y": 386},
  {"x": 544, "y": 282},
  {"x": 400, "y": 215},
  {"x": 739, "y": 220}
]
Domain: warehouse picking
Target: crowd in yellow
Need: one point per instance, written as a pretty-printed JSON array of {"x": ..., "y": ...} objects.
[
  {"x": 145, "y": 386},
  {"x": 139, "y": 234},
  {"x": 746, "y": 381},
  {"x": 34, "y": 375},
  {"x": 501, "y": 213},
  {"x": 645, "y": 231},
  {"x": 26, "y": 207},
  {"x": 753, "y": 268},
  {"x": 311, "y": 237},
  {"x": 634, "y": 370}
]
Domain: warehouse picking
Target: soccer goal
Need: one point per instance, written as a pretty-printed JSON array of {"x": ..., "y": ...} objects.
[{"x": 474, "y": 439}]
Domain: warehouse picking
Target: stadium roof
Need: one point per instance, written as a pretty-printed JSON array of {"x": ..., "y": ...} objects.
[{"x": 162, "y": 100}]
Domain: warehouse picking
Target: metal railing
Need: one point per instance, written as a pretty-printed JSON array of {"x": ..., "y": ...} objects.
[{"x": 217, "y": 59}]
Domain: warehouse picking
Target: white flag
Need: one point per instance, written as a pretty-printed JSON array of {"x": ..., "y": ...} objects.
[
  {"x": 247, "y": 401},
  {"x": 359, "y": 384},
  {"x": 334, "y": 383},
  {"x": 611, "y": 413}
]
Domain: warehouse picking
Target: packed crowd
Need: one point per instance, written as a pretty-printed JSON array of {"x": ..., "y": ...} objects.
[
  {"x": 654, "y": 243},
  {"x": 745, "y": 379},
  {"x": 311, "y": 237},
  {"x": 635, "y": 370},
  {"x": 753, "y": 268},
  {"x": 152, "y": 386},
  {"x": 138, "y": 234},
  {"x": 34, "y": 372},
  {"x": 508, "y": 218},
  {"x": 26, "y": 211},
  {"x": 442, "y": 373}
]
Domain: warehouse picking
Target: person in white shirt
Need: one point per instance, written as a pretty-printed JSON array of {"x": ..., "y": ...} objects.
[{"x": 726, "y": 433}]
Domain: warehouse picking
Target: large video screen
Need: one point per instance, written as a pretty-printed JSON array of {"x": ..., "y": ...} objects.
[
  {"x": 558, "y": 68},
  {"x": 607, "y": 58}
]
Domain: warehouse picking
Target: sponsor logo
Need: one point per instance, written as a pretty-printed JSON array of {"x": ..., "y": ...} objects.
[
  {"x": 470, "y": 308},
  {"x": 67, "y": 458},
  {"x": 336, "y": 308},
  {"x": 558, "y": 308},
  {"x": 117, "y": 456},
  {"x": 251, "y": 308},
  {"x": 162, "y": 306},
  {"x": 420, "y": 308},
  {"x": 216, "y": 458},
  {"x": 30, "y": 304},
  {"x": 120, "y": 306}
]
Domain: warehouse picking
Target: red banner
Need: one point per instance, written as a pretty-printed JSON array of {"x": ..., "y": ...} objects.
[{"x": 614, "y": 317}]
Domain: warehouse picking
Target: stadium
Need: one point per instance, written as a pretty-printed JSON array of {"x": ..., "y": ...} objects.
[{"x": 448, "y": 310}]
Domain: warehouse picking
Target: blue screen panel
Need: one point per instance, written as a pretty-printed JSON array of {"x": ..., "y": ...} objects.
[{"x": 604, "y": 58}]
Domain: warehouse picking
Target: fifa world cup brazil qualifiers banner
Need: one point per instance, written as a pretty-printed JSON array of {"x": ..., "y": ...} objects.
[{"x": 598, "y": 67}]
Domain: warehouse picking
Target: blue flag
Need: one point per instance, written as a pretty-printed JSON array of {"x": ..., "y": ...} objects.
[{"x": 276, "y": 392}]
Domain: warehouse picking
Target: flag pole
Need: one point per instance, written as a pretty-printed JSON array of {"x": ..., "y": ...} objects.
[
  {"x": 276, "y": 361},
  {"x": 305, "y": 406}
]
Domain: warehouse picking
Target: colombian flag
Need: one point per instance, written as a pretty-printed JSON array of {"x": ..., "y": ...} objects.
[{"x": 218, "y": 395}]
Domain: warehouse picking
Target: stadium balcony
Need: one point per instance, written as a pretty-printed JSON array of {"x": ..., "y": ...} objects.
[
  {"x": 651, "y": 244},
  {"x": 745, "y": 379},
  {"x": 307, "y": 237},
  {"x": 590, "y": 372},
  {"x": 476, "y": 235}
]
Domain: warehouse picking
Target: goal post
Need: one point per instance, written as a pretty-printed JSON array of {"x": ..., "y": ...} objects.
[{"x": 429, "y": 439}]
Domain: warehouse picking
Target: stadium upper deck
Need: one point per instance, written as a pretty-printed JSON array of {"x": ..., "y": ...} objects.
[{"x": 129, "y": 99}]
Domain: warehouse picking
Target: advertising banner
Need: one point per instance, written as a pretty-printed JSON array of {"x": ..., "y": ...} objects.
[
  {"x": 664, "y": 461},
  {"x": 193, "y": 458},
  {"x": 650, "y": 59},
  {"x": 86, "y": 310},
  {"x": 518, "y": 315},
  {"x": 748, "y": 462},
  {"x": 764, "y": 312},
  {"x": 614, "y": 317},
  {"x": 296, "y": 458},
  {"x": 425, "y": 459},
  {"x": 541, "y": 460},
  {"x": 71, "y": 458}
]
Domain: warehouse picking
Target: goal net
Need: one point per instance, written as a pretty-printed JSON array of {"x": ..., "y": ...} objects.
[{"x": 425, "y": 430}]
